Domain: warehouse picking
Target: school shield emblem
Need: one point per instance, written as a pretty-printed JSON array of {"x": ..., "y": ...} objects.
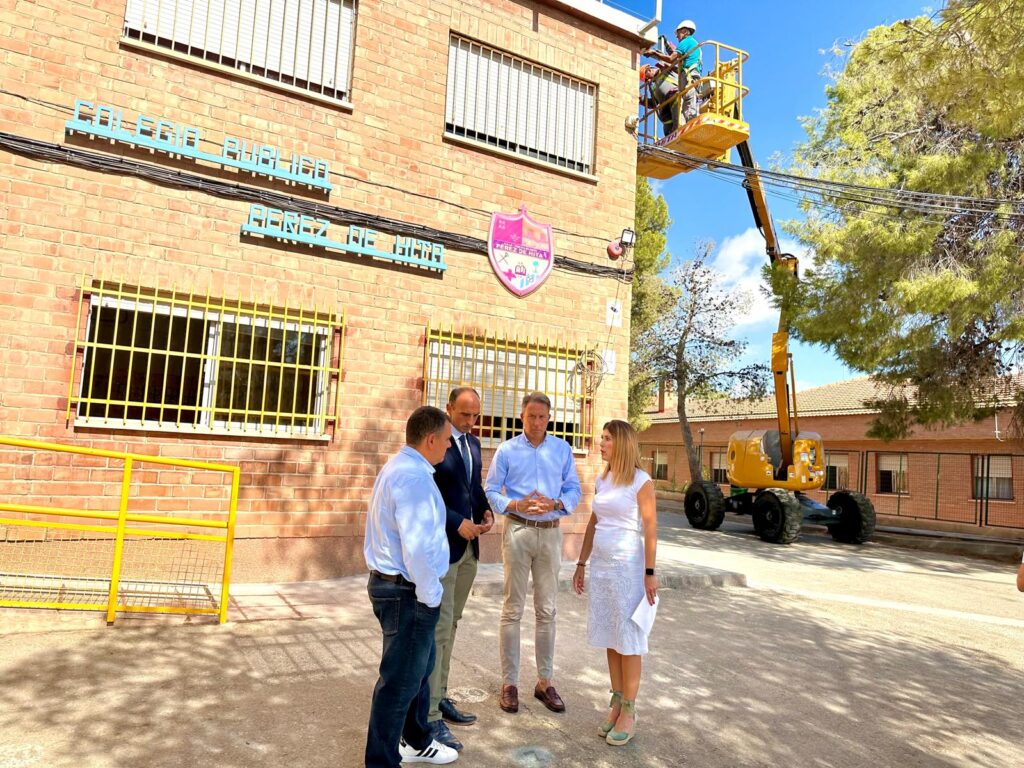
[{"x": 522, "y": 251}]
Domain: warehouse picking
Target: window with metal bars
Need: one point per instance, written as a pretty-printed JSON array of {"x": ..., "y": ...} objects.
[
  {"x": 503, "y": 371},
  {"x": 159, "y": 360},
  {"x": 719, "y": 467},
  {"x": 305, "y": 45},
  {"x": 837, "y": 471},
  {"x": 513, "y": 105},
  {"x": 993, "y": 477},
  {"x": 660, "y": 463},
  {"x": 892, "y": 473}
]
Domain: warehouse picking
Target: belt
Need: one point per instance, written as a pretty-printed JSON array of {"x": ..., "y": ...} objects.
[
  {"x": 534, "y": 523},
  {"x": 395, "y": 578}
]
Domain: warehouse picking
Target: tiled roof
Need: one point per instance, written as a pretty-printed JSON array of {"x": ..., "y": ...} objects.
[{"x": 842, "y": 397}]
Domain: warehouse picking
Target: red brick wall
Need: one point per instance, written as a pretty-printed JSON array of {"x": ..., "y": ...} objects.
[
  {"x": 940, "y": 493},
  {"x": 58, "y": 223}
]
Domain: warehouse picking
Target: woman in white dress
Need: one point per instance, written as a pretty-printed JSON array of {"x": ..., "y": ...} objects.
[{"x": 623, "y": 536}]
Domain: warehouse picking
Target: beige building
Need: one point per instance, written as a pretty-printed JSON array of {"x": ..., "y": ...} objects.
[
  {"x": 263, "y": 233},
  {"x": 967, "y": 478}
]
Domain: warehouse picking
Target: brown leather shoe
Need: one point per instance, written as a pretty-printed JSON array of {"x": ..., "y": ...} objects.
[
  {"x": 509, "y": 700},
  {"x": 550, "y": 698}
]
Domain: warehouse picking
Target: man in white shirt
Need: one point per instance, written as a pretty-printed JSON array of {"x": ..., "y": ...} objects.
[
  {"x": 406, "y": 551},
  {"x": 469, "y": 516}
]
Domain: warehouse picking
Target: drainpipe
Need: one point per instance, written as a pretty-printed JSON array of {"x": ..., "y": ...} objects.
[{"x": 653, "y": 22}]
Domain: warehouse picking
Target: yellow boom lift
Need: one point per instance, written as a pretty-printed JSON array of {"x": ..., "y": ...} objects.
[{"x": 770, "y": 471}]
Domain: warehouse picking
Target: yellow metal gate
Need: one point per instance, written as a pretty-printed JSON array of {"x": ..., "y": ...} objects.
[{"x": 114, "y": 560}]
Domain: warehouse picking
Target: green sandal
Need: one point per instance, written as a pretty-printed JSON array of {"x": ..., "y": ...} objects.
[
  {"x": 607, "y": 727},
  {"x": 619, "y": 738}
]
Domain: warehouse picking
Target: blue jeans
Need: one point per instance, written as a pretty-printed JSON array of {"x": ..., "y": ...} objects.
[{"x": 401, "y": 698}]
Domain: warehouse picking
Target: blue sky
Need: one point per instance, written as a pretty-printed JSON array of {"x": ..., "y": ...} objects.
[{"x": 790, "y": 44}]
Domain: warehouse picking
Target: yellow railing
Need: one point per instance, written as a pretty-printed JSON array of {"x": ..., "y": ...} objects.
[
  {"x": 40, "y": 584},
  {"x": 720, "y": 91}
]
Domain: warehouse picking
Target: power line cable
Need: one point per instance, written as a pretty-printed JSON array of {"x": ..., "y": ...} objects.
[
  {"x": 80, "y": 158},
  {"x": 908, "y": 200},
  {"x": 334, "y": 173}
]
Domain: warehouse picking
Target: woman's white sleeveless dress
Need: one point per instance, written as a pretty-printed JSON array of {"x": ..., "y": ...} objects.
[{"x": 616, "y": 581}]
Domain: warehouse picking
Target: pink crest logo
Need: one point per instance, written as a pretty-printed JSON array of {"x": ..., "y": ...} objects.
[{"x": 522, "y": 251}]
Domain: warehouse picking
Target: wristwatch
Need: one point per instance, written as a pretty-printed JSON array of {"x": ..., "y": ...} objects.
[
  {"x": 559, "y": 505},
  {"x": 649, "y": 571}
]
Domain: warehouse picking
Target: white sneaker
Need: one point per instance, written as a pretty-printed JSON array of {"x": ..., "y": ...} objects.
[{"x": 435, "y": 753}]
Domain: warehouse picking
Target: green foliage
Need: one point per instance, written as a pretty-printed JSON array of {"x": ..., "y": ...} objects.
[
  {"x": 930, "y": 303},
  {"x": 650, "y": 296}
]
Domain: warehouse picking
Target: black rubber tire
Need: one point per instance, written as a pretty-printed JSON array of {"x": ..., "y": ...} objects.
[
  {"x": 856, "y": 517},
  {"x": 704, "y": 505},
  {"x": 759, "y": 521},
  {"x": 780, "y": 516}
]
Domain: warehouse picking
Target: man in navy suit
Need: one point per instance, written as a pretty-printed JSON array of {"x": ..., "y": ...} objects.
[{"x": 468, "y": 516}]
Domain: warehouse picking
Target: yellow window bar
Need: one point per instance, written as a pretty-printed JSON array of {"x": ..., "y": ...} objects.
[
  {"x": 136, "y": 562},
  {"x": 164, "y": 360},
  {"x": 502, "y": 370}
]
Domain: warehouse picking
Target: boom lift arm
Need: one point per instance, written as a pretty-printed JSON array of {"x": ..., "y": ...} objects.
[
  {"x": 770, "y": 471},
  {"x": 782, "y": 362}
]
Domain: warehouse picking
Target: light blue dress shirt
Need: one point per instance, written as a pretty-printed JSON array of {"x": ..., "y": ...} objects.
[
  {"x": 405, "y": 525},
  {"x": 518, "y": 469}
]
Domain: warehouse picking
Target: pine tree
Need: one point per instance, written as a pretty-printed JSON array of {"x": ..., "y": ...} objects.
[{"x": 928, "y": 299}]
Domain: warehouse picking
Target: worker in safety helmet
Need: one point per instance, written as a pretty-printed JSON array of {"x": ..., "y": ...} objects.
[{"x": 688, "y": 55}]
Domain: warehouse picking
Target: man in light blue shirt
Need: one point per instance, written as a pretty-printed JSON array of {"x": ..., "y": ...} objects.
[
  {"x": 406, "y": 551},
  {"x": 532, "y": 481}
]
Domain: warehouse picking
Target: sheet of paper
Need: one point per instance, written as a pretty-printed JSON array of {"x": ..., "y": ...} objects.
[{"x": 644, "y": 614}]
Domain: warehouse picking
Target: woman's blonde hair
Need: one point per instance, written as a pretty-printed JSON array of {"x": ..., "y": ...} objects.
[{"x": 625, "y": 452}]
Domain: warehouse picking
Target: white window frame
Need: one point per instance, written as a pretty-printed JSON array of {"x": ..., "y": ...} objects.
[
  {"x": 254, "y": 39},
  {"x": 518, "y": 108},
  {"x": 718, "y": 461},
  {"x": 898, "y": 465},
  {"x": 659, "y": 459},
  {"x": 836, "y": 461},
  {"x": 999, "y": 468}
]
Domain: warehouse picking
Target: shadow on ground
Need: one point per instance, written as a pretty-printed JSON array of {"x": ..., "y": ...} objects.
[
  {"x": 814, "y": 548},
  {"x": 736, "y": 678}
]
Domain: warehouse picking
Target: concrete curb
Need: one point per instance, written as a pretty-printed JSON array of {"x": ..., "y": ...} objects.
[
  {"x": 948, "y": 543},
  {"x": 490, "y": 578},
  {"x": 1002, "y": 551}
]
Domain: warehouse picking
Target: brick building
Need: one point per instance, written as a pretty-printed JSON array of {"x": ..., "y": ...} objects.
[
  {"x": 967, "y": 478},
  {"x": 257, "y": 234}
]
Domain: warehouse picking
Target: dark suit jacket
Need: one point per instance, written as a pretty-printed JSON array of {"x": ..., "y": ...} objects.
[{"x": 463, "y": 500}]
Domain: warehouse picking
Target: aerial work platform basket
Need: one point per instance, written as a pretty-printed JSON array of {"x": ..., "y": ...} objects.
[{"x": 718, "y": 126}]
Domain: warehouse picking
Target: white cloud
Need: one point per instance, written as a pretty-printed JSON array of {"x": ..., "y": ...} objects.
[{"x": 739, "y": 260}]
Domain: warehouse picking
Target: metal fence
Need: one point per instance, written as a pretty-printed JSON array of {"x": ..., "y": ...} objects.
[
  {"x": 170, "y": 553},
  {"x": 188, "y": 362},
  {"x": 503, "y": 369},
  {"x": 984, "y": 490}
]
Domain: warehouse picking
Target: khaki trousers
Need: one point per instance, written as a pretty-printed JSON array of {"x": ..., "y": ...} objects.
[
  {"x": 529, "y": 551},
  {"x": 456, "y": 584}
]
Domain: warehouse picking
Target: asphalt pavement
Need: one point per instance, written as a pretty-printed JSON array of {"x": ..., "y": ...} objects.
[{"x": 810, "y": 655}]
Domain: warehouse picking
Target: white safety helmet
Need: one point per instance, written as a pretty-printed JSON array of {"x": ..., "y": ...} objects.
[{"x": 687, "y": 24}]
